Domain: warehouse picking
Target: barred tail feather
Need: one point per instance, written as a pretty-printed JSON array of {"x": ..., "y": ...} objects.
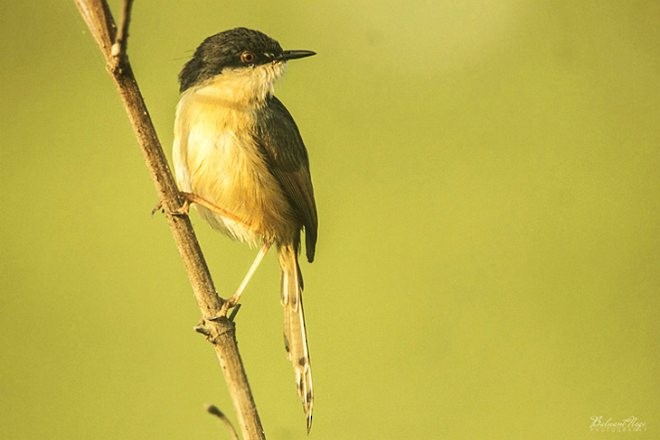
[{"x": 295, "y": 334}]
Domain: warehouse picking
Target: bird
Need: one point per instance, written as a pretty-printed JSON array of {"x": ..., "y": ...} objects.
[{"x": 238, "y": 156}]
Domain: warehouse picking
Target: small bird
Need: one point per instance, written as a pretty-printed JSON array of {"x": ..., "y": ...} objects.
[{"x": 239, "y": 157}]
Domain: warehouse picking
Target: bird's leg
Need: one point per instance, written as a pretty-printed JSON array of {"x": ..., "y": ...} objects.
[
  {"x": 231, "y": 302},
  {"x": 190, "y": 198}
]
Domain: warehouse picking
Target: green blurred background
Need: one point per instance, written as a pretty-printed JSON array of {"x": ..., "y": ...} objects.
[{"x": 487, "y": 176}]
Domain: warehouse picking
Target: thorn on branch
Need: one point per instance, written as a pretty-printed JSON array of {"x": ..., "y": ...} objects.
[
  {"x": 158, "y": 207},
  {"x": 202, "y": 329},
  {"x": 234, "y": 312}
]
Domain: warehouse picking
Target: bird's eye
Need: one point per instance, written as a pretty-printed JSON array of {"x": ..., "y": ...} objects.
[{"x": 247, "y": 57}]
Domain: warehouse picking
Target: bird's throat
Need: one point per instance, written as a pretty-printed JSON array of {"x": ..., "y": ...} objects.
[{"x": 241, "y": 88}]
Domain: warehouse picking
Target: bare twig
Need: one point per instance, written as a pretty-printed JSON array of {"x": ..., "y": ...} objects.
[
  {"x": 219, "y": 330},
  {"x": 214, "y": 410},
  {"x": 121, "y": 42}
]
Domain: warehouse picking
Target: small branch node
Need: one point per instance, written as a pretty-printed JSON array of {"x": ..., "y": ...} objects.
[
  {"x": 115, "y": 50},
  {"x": 214, "y": 328}
]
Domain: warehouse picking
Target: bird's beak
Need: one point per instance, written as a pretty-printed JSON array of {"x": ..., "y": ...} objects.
[{"x": 293, "y": 54}]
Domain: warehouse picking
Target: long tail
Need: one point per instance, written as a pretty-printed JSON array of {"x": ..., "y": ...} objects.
[{"x": 295, "y": 335}]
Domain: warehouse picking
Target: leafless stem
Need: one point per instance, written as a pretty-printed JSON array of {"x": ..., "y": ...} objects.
[
  {"x": 121, "y": 42},
  {"x": 214, "y": 410},
  {"x": 219, "y": 330}
]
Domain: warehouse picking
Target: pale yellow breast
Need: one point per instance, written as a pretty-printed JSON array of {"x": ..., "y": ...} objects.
[{"x": 215, "y": 158}]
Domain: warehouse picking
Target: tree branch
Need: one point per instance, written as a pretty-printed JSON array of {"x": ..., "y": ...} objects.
[{"x": 219, "y": 330}]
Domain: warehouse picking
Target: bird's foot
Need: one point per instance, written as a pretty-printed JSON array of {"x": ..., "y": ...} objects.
[
  {"x": 182, "y": 210},
  {"x": 190, "y": 198}
]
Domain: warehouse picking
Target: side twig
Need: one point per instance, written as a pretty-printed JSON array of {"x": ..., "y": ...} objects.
[
  {"x": 214, "y": 410},
  {"x": 219, "y": 330},
  {"x": 121, "y": 42}
]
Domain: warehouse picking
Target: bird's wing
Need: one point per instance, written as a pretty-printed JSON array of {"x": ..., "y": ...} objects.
[{"x": 281, "y": 145}]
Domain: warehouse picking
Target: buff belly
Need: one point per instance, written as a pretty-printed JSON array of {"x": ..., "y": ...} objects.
[{"x": 216, "y": 159}]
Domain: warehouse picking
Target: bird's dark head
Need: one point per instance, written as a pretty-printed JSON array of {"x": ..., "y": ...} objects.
[{"x": 236, "y": 51}]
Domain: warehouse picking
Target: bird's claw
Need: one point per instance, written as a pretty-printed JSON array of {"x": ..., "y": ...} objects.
[
  {"x": 158, "y": 207},
  {"x": 181, "y": 211}
]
